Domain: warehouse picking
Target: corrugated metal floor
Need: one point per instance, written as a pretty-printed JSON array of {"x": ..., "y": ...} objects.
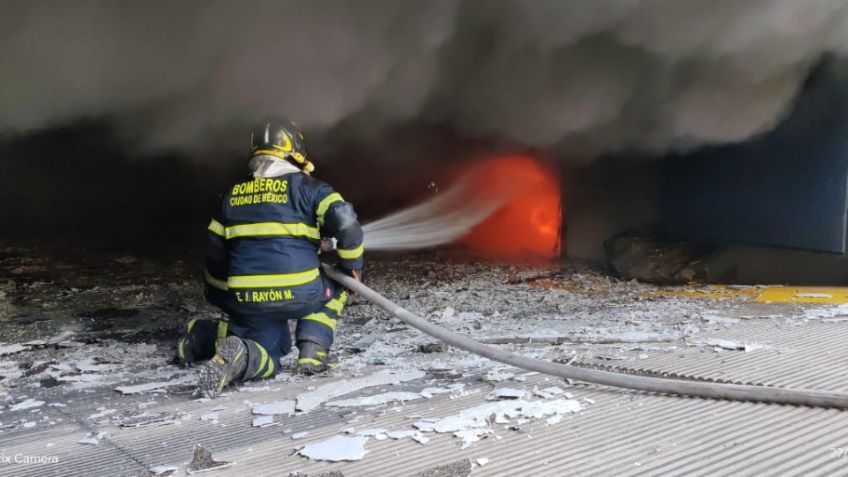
[{"x": 621, "y": 433}]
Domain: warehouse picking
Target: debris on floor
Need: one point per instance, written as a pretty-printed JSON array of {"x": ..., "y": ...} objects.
[
  {"x": 203, "y": 461},
  {"x": 336, "y": 448},
  {"x": 470, "y": 424},
  {"x": 309, "y": 401},
  {"x": 376, "y": 399},
  {"x": 274, "y": 408},
  {"x": 263, "y": 421}
]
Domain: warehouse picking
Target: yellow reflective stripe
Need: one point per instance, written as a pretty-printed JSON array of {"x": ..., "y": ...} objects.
[
  {"x": 312, "y": 361},
  {"x": 270, "y": 369},
  {"x": 216, "y": 227},
  {"x": 222, "y": 333},
  {"x": 219, "y": 284},
  {"x": 321, "y": 318},
  {"x": 337, "y": 304},
  {"x": 272, "y": 229},
  {"x": 270, "y": 152},
  {"x": 269, "y": 281},
  {"x": 325, "y": 204},
  {"x": 191, "y": 323},
  {"x": 263, "y": 360},
  {"x": 351, "y": 254},
  {"x": 180, "y": 351}
]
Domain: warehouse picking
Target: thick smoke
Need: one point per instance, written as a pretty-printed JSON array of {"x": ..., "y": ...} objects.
[{"x": 580, "y": 77}]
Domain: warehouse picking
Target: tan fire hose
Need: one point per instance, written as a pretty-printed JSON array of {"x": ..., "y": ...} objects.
[{"x": 733, "y": 392}]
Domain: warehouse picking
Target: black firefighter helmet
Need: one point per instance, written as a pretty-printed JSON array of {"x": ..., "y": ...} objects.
[{"x": 281, "y": 138}]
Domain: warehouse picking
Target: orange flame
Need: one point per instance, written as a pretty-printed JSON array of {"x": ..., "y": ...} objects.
[{"x": 528, "y": 223}]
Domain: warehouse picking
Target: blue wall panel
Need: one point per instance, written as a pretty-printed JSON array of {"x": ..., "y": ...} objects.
[{"x": 785, "y": 188}]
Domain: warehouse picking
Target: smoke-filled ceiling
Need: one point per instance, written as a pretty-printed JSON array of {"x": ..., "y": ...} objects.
[
  {"x": 590, "y": 75},
  {"x": 124, "y": 119}
]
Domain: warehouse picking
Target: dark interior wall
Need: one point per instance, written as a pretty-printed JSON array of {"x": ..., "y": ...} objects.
[
  {"x": 785, "y": 188},
  {"x": 85, "y": 183},
  {"x": 607, "y": 197}
]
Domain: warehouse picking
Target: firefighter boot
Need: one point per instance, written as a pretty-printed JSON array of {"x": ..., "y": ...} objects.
[
  {"x": 313, "y": 358},
  {"x": 198, "y": 340},
  {"x": 227, "y": 366}
]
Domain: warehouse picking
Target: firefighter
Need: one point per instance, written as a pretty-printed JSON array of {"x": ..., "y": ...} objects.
[{"x": 262, "y": 267}]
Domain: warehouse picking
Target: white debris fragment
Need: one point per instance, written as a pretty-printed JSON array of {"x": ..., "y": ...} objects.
[
  {"x": 90, "y": 440},
  {"x": 103, "y": 413},
  {"x": 472, "y": 423},
  {"x": 210, "y": 416},
  {"x": 754, "y": 347},
  {"x": 721, "y": 344},
  {"x": 555, "y": 419},
  {"x": 482, "y": 461},
  {"x": 376, "y": 399},
  {"x": 371, "y": 432},
  {"x": 28, "y": 424},
  {"x": 26, "y": 404},
  {"x": 309, "y": 401},
  {"x": 447, "y": 313},
  {"x": 589, "y": 400},
  {"x": 263, "y": 421},
  {"x": 548, "y": 392},
  {"x": 336, "y": 449},
  {"x": 505, "y": 393},
  {"x": 497, "y": 375},
  {"x": 299, "y": 435},
  {"x": 254, "y": 389},
  {"x": 720, "y": 320},
  {"x": 274, "y": 408},
  {"x": 377, "y": 433},
  {"x": 455, "y": 388},
  {"x": 417, "y": 436},
  {"x": 11, "y": 348},
  {"x": 153, "y": 386},
  {"x": 162, "y": 470},
  {"x": 470, "y": 436},
  {"x": 826, "y": 312}
]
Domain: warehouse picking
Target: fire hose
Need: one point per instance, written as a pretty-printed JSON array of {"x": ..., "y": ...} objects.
[{"x": 672, "y": 386}]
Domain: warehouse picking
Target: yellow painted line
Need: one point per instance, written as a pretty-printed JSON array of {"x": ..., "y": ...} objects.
[
  {"x": 706, "y": 292},
  {"x": 770, "y": 294},
  {"x": 790, "y": 294}
]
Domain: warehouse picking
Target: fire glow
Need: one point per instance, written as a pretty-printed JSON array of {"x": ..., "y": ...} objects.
[{"x": 528, "y": 222}]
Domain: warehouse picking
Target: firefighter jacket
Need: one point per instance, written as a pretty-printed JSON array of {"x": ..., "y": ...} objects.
[{"x": 264, "y": 238}]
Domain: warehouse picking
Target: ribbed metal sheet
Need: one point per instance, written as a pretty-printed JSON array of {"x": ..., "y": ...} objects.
[
  {"x": 812, "y": 355},
  {"x": 621, "y": 433}
]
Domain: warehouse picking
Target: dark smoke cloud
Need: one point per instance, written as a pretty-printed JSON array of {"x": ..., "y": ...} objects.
[{"x": 583, "y": 76}]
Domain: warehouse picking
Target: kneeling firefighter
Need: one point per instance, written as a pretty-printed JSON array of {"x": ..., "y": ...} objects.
[{"x": 262, "y": 267}]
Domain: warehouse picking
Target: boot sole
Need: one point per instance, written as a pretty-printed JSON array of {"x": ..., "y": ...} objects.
[{"x": 215, "y": 374}]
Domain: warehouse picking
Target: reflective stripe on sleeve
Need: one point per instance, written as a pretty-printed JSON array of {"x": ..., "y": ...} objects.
[
  {"x": 325, "y": 204},
  {"x": 219, "y": 284},
  {"x": 216, "y": 227},
  {"x": 266, "y": 229},
  {"x": 338, "y": 304},
  {"x": 321, "y": 318},
  {"x": 263, "y": 361},
  {"x": 351, "y": 254},
  {"x": 273, "y": 281}
]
